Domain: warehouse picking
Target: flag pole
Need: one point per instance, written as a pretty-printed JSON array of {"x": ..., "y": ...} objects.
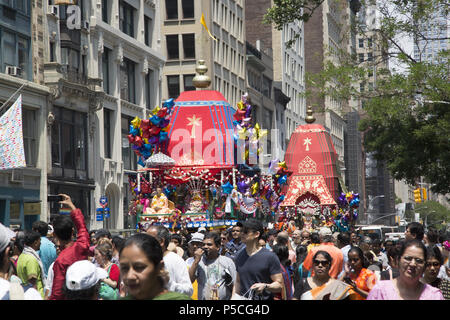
[{"x": 17, "y": 91}]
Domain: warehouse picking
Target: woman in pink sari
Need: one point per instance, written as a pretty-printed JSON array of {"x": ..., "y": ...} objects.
[{"x": 413, "y": 256}]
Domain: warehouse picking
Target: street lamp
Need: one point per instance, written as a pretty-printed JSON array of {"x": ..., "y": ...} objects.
[{"x": 370, "y": 208}]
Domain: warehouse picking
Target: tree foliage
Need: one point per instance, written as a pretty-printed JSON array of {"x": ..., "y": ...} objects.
[
  {"x": 433, "y": 213},
  {"x": 406, "y": 113}
]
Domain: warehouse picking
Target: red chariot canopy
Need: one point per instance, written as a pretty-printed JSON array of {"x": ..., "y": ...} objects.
[
  {"x": 312, "y": 159},
  {"x": 201, "y": 130}
]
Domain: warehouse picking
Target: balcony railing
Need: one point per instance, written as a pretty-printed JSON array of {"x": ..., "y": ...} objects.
[{"x": 73, "y": 75}]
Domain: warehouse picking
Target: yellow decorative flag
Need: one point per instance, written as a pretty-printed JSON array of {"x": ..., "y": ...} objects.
[{"x": 202, "y": 21}]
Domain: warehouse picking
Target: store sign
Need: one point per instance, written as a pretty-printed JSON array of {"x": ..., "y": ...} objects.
[{"x": 29, "y": 209}]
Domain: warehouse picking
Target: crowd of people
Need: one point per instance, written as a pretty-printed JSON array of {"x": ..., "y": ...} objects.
[{"x": 65, "y": 261}]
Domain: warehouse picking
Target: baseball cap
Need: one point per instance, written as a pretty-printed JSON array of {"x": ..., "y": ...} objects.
[
  {"x": 102, "y": 233},
  {"x": 83, "y": 275},
  {"x": 324, "y": 231},
  {"x": 6, "y": 234},
  {"x": 197, "y": 237},
  {"x": 201, "y": 229},
  {"x": 254, "y": 225}
]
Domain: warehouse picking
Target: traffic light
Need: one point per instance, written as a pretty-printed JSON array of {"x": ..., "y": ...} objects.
[
  {"x": 417, "y": 195},
  {"x": 424, "y": 194}
]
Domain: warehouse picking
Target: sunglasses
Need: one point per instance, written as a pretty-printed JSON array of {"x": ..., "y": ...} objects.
[
  {"x": 325, "y": 263},
  {"x": 434, "y": 264}
]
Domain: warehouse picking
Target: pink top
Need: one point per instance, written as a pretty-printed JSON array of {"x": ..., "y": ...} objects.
[{"x": 385, "y": 290}]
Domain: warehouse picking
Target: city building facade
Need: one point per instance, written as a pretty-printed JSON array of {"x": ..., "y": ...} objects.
[
  {"x": 184, "y": 41},
  {"x": 21, "y": 56},
  {"x": 90, "y": 68},
  {"x": 288, "y": 63}
]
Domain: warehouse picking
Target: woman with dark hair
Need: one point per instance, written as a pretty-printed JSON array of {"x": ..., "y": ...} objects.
[
  {"x": 393, "y": 255},
  {"x": 142, "y": 270},
  {"x": 299, "y": 271},
  {"x": 407, "y": 286},
  {"x": 321, "y": 286},
  {"x": 432, "y": 267},
  {"x": 282, "y": 252},
  {"x": 356, "y": 274},
  {"x": 103, "y": 254}
]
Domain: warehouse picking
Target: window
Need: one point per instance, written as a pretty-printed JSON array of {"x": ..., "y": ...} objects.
[
  {"x": 129, "y": 158},
  {"x": 69, "y": 142},
  {"x": 369, "y": 42},
  {"x": 107, "y": 132},
  {"x": 189, "y": 46},
  {"x": 15, "y": 51},
  {"x": 369, "y": 56},
  {"x": 173, "y": 86},
  {"x": 148, "y": 84},
  {"x": 188, "y": 84},
  {"x": 361, "y": 43},
  {"x": 23, "y": 49},
  {"x": 172, "y": 47},
  {"x": 127, "y": 81},
  {"x": 105, "y": 69},
  {"x": 52, "y": 51},
  {"x": 266, "y": 86},
  {"x": 126, "y": 18},
  {"x": 188, "y": 9},
  {"x": 172, "y": 9},
  {"x": 361, "y": 57},
  {"x": 105, "y": 11},
  {"x": 29, "y": 136},
  {"x": 148, "y": 31}
]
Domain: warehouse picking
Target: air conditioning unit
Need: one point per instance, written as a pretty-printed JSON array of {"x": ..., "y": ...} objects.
[
  {"x": 53, "y": 10},
  {"x": 85, "y": 25},
  {"x": 13, "y": 71},
  {"x": 16, "y": 176}
]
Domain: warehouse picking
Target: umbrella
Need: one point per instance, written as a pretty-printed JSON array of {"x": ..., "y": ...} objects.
[{"x": 159, "y": 159}]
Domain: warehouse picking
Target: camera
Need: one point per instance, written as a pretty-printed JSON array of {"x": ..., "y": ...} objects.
[{"x": 55, "y": 198}]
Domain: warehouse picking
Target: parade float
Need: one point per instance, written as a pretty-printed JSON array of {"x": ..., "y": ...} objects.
[
  {"x": 203, "y": 155},
  {"x": 187, "y": 150},
  {"x": 314, "y": 193}
]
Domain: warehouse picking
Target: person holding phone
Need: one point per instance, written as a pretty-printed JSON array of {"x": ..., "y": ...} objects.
[
  {"x": 71, "y": 251},
  {"x": 361, "y": 279}
]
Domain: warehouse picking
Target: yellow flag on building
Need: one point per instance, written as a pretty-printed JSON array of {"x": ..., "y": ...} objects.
[{"x": 203, "y": 22}]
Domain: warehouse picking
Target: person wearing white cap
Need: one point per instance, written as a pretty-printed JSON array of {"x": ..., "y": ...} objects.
[
  {"x": 83, "y": 281},
  {"x": 11, "y": 290},
  {"x": 326, "y": 244},
  {"x": 194, "y": 245}
]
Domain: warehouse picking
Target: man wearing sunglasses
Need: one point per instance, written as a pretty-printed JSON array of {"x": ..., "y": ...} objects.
[{"x": 258, "y": 269}]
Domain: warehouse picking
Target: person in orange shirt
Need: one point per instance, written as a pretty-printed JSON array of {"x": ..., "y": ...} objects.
[
  {"x": 326, "y": 244},
  {"x": 361, "y": 280}
]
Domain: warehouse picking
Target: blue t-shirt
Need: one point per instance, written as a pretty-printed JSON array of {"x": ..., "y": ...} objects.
[
  {"x": 257, "y": 268},
  {"x": 47, "y": 253}
]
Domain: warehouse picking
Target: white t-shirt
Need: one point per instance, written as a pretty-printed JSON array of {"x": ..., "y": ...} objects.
[
  {"x": 178, "y": 273},
  {"x": 49, "y": 283},
  {"x": 29, "y": 294}
]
